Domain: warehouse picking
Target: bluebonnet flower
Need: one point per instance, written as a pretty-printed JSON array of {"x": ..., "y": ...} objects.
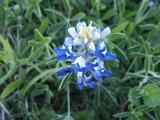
[
  {"x": 153, "y": 3},
  {"x": 85, "y": 50},
  {"x": 1, "y": 1}
]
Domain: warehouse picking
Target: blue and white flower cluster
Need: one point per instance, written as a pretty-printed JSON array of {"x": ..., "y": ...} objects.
[{"x": 84, "y": 50}]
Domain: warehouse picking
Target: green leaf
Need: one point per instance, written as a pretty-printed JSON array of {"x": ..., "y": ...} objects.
[
  {"x": 122, "y": 115},
  {"x": 37, "y": 11},
  {"x": 11, "y": 71},
  {"x": 53, "y": 30},
  {"x": 147, "y": 64},
  {"x": 110, "y": 95},
  {"x": 37, "y": 78},
  {"x": 152, "y": 95},
  {"x": 117, "y": 36},
  {"x": 130, "y": 28},
  {"x": 64, "y": 81},
  {"x": 35, "y": 54},
  {"x": 157, "y": 48},
  {"x": 149, "y": 26},
  {"x": 40, "y": 38},
  {"x": 78, "y": 16},
  {"x": 7, "y": 53},
  {"x": 120, "y": 27},
  {"x": 157, "y": 113},
  {"x": 38, "y": 35},
  {"x": 11, "y": 87},
  {"x": 44, "y": 25},
  {"x": 121, "y": 53},
  {"x": 133, "y": 97},
  {"x": 47, "y": 114},
  {"x": 109, "y": 14},
  {"x": 56, "y": 13},
  {"x": 35, "y": 2},
  {"x": 84, "y": 115},
  {"x": 29, "y": 11},
  {"x": 67, "y": 6}
]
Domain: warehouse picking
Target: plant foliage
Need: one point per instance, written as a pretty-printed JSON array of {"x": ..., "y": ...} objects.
[{"x": 29, "y": 86}]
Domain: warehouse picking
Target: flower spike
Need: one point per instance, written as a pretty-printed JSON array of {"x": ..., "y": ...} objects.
[{"x": 86, "y": 51}]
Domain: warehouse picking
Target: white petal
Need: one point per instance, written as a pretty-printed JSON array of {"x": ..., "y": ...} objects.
[
  {"x": 67, "y": 54},
  {"x": 80, "y": 73},
  {"x": 96, "y": 68},
  {"x": 101, "y": 45},
  {"x": 81, "y": 61},
  {"x": 101, "y": 64},
  {"x": 70, "y": 48},
  {"x": 96, "y": 34},
  {"x": 81, "y": 26},
  {"x": 104, "y": 52},
  {"x": 72, "y": 32},
  {"x": 68, "y": 41},
  {"x": 77, "y": 41},
  {"x": 85, "y": 40},
  {"x": 63, "y": 47},
  {"x": 91, "y": 46},
  {"x": 105, "y": 32}
]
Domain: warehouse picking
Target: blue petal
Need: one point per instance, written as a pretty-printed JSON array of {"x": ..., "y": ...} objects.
[
  {"x": 91, "y": 83},
  {"x": 110, "y": 56},
  {"x": 97, "y": 76},
  {"x": 90, "y": 66},
  {"x": 80, "y": 82},
  {"x": 153, "y": 3},
  {"x": 61, "y": 57},
  {"x": 77, "y": 69},
  {"x": 72, "y": 57},
  {"x": 62, "y": 54},
  {"x": 63, "y": 72},
  {"x": 59, "y": 51},
  {"x": 99, "y": 53},
  {"x": 106, "y": 73}
]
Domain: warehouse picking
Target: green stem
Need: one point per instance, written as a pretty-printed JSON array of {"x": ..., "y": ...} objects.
[{"x": 68, "y": 101}]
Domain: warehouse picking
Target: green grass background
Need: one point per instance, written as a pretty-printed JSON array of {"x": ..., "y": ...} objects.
[{"x": 29, "y": 86}]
